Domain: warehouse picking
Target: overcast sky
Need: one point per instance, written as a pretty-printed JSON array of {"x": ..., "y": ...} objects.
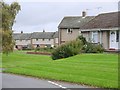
[{"x": 36, "y": 16}]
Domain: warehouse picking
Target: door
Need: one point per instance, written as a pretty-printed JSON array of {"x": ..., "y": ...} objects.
[{"x": 112, "y": 39}]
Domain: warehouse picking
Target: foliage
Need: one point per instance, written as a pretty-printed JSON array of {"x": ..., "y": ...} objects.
[
  {"x": 8, "y": 13},
  {"x": 66, "y": 50},
  {"x": 37, "y": 49},
  {"x": 0, "y": 41},
  {"x": 83, "y": 39},
  {"x": 90, "y": 47},
  {"x": 93, "y": 48},
  {"x": 8, "y": 43},
  {"x": 45, "y": 49}
]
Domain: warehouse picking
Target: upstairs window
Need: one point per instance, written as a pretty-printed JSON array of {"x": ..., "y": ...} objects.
[
  {"x": 117, "y": 36},
  {"x": 69, "y": 30}
]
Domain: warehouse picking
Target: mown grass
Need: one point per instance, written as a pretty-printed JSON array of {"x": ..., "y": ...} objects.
[{"x": 99, "y": 70}]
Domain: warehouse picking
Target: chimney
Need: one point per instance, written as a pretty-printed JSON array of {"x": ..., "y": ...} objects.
[
  {"x": 43, "y": 30},
  {"x": 21, "y": 32},
  {"x": 83, "y": 14}
]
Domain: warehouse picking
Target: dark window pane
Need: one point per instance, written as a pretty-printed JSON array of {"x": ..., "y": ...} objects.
[{"x": 117, "y": 36}]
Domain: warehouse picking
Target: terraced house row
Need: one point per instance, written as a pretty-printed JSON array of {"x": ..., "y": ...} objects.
[{"x": 35, "y": 39}]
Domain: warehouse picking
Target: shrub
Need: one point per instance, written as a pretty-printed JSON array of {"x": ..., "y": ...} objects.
[
  {"x": 37, "y": 49},
  {"x": 45, "y": 49},
  {"x": 93, "y": 48},
  {"x": 89, "y": 47},
  {"x": 83, "y": 39},
  {"x": 66, "y": 50}
]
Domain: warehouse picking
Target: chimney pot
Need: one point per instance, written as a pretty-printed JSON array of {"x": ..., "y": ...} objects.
[
  {"x": 43, "y": 30},
  {"x": 21, "y": 32},
  {"x": 83, "y": 14}
]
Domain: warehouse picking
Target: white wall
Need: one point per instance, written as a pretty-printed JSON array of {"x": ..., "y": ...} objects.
[
  {"x": 40, "y": 41},
  {"x": 56, "y": 40},
  {"x": 23, "y": 42}
]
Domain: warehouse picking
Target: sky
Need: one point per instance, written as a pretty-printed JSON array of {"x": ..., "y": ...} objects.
[{"x": 39, "y": 15}]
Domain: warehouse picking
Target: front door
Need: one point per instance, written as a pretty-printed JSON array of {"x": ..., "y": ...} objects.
[{"x": 112, "y": 39}]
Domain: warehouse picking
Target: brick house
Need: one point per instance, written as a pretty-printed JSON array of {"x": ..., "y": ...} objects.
[
  {"x": 69, "y": 27},
  {"x": 104, "y": 29}
]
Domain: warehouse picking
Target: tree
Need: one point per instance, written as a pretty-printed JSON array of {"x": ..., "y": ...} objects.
[{"x": 8, "y": 13}]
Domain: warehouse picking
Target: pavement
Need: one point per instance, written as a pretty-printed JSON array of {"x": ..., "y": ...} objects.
[{"x": 16, "y": 81}]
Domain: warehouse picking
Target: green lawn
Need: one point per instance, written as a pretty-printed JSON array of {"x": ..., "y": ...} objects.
[{"x": 99, "y": 70}]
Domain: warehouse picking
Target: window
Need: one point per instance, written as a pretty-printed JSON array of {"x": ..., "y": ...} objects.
[
  {"x": 95, "y": 37},
  {"x": 117, "y": 36},
  {"x": 21, "y": 40},
  {"x": 49, "y": 39},
  {"x": 36, "y": 39},
  {"x": 69, "y": 30},
  {"x": 43, "y": 39}
]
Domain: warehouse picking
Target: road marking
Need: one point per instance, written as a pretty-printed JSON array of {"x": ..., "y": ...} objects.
[{"x": 57, "y": 85}]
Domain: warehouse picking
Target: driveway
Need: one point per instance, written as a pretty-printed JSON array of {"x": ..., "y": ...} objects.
[{"x": 15, "y": 81}]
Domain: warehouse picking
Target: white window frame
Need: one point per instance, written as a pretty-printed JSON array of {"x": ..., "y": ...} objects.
[{"x": 94, "y": 40}]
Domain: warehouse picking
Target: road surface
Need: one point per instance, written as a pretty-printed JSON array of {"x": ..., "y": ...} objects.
[{"x": 15, "y": 81}]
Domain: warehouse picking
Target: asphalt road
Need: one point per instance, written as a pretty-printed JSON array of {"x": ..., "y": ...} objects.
[{"x": 15, "y": 81}]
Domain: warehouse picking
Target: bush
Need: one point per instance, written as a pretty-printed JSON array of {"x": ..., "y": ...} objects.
[
  {"x": 66, "y": 50},
  {"x": 93, "y": 48},
  {"x": 74, "y": 47},
  {"x": 89, "y": 47},
  {"x": 83, "y": 39},
  {"x": 37, "y": 49},
  {"x": 45, "y": 49}
]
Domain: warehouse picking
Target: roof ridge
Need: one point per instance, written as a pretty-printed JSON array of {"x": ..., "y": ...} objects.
[
  {"x": 77, "y": 16},
  {"x": 109, "y": 12},
  {"x": 43, "y": 32}
]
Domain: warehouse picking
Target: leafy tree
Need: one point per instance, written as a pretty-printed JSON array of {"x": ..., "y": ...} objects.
[{"x": 8, "y": 14}]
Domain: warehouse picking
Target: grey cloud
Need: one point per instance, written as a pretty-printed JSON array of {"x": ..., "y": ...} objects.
[{"x": 35, "y": 16}]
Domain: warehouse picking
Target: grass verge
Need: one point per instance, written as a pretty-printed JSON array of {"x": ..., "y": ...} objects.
[{"x": 99, "y": 70}]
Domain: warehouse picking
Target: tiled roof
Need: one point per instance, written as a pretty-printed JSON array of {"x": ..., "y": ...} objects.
[
  {"x": 42, "y": 35},
  {"x": 22, "y": 36},
  {"x": 105, "y": 20},
  {"x": 34, "y": 35},
  {"x": 55, "y": 34},
  {"x": 74, "y": 22}
]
